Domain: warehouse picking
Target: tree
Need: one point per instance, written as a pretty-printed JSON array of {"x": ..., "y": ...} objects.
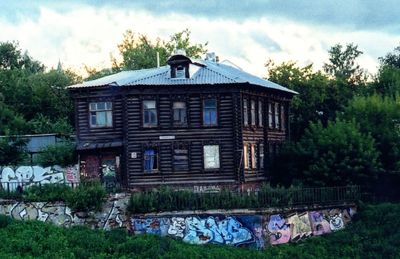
[
  {"x": 335, "y": 155},
  {"x": 139, "y": 52},
  {"x": 342, "y": 64},
  {"x": 12, "y": 150},
  {"x": 392, "y": 58},
  {"x": 380, "y": 117}
]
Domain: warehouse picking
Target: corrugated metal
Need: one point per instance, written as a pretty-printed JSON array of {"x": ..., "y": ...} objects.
[{"x": 209, "y": 73}]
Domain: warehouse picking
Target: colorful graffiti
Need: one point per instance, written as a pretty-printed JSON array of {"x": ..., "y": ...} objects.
[
  {"x": 112, "y": 215},
  {"x": 11, "y": 177},
  {"x": 278, "y": 230},
  {"x": 245, "y": 230}
]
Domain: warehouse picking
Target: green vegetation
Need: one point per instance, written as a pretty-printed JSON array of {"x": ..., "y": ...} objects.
[
  {"x": 373, "y": 234},
  {"x": 86, "y": 197},
  {"x": 167, "y": 199},
  {"x": 62, "y": 154},
  {"x": 335, "y": 155}
]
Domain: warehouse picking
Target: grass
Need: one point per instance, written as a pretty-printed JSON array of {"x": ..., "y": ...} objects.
[{"x": 374, "y": 233}]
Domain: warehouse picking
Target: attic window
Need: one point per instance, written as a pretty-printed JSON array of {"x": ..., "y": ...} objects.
[{"x": 180, "y": 72}]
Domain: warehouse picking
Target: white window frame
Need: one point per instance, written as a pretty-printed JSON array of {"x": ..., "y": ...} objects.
[
  {"x": 211, "y": 157},
  {"x": 95, "y": 112}
]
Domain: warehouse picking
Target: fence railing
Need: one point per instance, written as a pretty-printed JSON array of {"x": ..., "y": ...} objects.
[{"x": 170, "y": 200}]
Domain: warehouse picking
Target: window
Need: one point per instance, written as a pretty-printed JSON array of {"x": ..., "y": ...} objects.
[
  {"x": 253, "y": 156},
  {"x": 181, "y": 158},
  {"x": 150, "y": 159},
  {"x": 246, "y": 156},
  {"x": 179, "y": 113},
  {"x": 100, "y": 114},
  {"x": 270, "y": 118},
  {"x": 149, "y": 113},
  {"x": 261, "y": 155},
  {"x": 276, "y": 112},
  {"x": 180, "y": 71},
  {"x": 211, "y": 156},
  {"x": 210, "y": 112},
  {"x": 283, "y": 117},
  {"x": 245, "y": 113},
  {"x": 253, "y": 112},
  {"x": 260, "y": 113}
]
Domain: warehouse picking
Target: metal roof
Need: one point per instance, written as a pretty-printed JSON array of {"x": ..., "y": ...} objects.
[{"x": 208, "y": 73}]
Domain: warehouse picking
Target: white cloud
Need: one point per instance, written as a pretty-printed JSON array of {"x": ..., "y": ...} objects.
[{"x": 89, "y": 35}]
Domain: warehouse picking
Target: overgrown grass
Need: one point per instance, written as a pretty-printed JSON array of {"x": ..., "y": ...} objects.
[
  {"x": 373, "y": 234},
  {"x": 86, "y": 197},
  {"x": 167, "y": 199}
]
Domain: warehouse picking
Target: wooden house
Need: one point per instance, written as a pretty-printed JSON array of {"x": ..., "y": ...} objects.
[{"x": 190, "y": 123}]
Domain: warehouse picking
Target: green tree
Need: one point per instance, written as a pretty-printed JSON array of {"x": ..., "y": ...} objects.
[
  {"x": 139, "y": 52},
  {"x": 342, "y": 64},
  {"x": 335, "y": 155},
  {"x": 380, "y": 117},
  {"x": 62, "y": 154},
  {"x": 12, "y": 150}
]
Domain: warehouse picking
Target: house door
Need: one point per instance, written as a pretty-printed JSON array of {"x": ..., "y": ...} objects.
[{"x": 110, "y": 170}]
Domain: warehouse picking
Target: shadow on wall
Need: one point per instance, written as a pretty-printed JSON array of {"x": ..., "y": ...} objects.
[{"x": 256, "y": 231}]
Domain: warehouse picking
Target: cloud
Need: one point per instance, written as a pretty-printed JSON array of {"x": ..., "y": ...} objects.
[{"x": 84, "y": 34}]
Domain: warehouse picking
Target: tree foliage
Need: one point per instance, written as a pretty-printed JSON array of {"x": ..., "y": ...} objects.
[
  {"x": 380, "y": 117},
  {"x": 335, "y": 155},
  {"x": 342, "y": 64},
  {"x": 139, "y": 52}
]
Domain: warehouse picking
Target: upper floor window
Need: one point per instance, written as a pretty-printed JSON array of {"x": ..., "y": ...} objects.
[
  {"x": 253, "y": 112},
  {"x": 276, "y": 112},
  {"x": 180, "y": 71},
  {"x": 149, "y": 113},
  {"x": 211, "y": 156},
  {"x": 245, "y": 113},
  {"x": 260, "y": 113},
  {"x": 179, "y": 113},
  {"x": 210, "y": 112},
  {"x": 270, "y": 117},
  {"x": 100, "y": 114}
]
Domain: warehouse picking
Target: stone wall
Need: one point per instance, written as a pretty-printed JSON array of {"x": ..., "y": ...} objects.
[
  {"x": 258, "y": 229},
  {"x": 111, "y": 216},
  {"x": 252, "y": 230}
]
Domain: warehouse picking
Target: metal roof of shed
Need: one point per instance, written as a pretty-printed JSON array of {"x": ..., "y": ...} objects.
[{"x": 208, "y": 73}]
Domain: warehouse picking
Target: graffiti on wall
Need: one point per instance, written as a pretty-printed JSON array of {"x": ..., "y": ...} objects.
[
  {"x": 111, "y": 216},
  {"x": 244, "y": 230},
  {"x": 27, "y": 175}
]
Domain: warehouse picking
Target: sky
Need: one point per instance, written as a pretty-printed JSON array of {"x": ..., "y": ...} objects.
[{"x": 247, "y": 33}]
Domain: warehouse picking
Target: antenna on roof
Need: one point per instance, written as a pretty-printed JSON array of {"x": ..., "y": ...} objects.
[{"x": 158, "y": 59}]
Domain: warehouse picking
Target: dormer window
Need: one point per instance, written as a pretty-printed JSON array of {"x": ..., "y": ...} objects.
[
  {"x": 180, "y": 72},
  {"x": 179, "y": 65}
]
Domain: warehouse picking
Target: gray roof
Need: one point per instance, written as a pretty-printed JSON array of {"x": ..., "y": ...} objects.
[{"x": 208, "y": 73}]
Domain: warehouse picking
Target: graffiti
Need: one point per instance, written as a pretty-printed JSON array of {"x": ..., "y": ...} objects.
[
  {"x": 112, "y": 215},
  {"x": 27, "y": 175},
  {"x": 300, "y": 226},
  {"x": 319, "y": 223},
  {"x": 206, "y": 188},
  {"x": 177, "y": 227},
  {"x": 210, "y": 230},
  {"x": 278, "y": 230},
  {"x": 157, "y": 226}
]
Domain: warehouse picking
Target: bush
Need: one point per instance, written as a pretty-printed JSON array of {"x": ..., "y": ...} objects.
[
  {"x": 62, "y": 154},
  {"x": 47, "y": 193},
  {"x": 4, "y": 221},
  {"x": 87, "y": 197}
]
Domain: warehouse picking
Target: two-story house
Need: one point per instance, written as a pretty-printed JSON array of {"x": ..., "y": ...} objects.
[{"x": 192, "y": 122}]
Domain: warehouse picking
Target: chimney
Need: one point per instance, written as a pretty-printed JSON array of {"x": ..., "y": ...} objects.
[{"x": 210, "y": 56}]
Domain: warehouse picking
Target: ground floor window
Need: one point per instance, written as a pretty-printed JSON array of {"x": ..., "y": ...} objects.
[
  {"x": 211, "y": 157},
  {"x": 253, "y": 156},
  {"x": 150, "y": 159},
  {"x": 261, "y": 155},
  {"x": 181, "y": 157}
]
